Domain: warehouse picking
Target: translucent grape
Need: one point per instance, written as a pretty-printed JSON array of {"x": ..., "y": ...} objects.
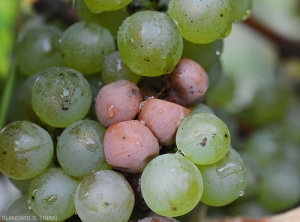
[
  {"x": 84, "y": 46},
  {"x": 225, "y": 180},
  {"x": 203, "y": 137},
  {"x": 104, "y": 196},
  {"x": 61, "y": 96},
  {"x": 51, "y": 194},
  {"x": 26, "y": 150},
  {"x": 205, "y": 54},
  {"x": 80, "y": 148},
  {"x": 37, "y": 49},
  {"x": 111, "y": 20},
  {"x": 202, "y": 21},
  {"x": 241, "y": 9},
  {"x": 279, "y": 187},
  {"x": 17, "y": 211},
  {"x": 150, "y": 43},
  {"x": 113, "y": 69},
  {"x": 171, "y": 185},
  {"x": 97, "y": 6}
]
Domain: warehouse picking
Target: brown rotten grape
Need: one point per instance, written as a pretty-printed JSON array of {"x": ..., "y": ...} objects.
[
  {"x": 162, "y": 118},
  {"x": 118, "y": 101},
  {"x": 129, "y": 146},
  {"x": 187, "y": 84}
]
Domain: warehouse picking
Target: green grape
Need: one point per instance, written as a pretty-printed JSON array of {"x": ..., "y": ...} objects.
[
  {"x": 225, "y": 180},
  {"x": 22, "y": 185},
  {"x": 205, "y": 54},
  {"x": 25, "y": 105},
  {"x": 37, "y": 49},
  {"x": 113, "y": 69},
  {"x": 97, "y": 6},
  {"x": 80, "y": 148},
  {"x": 202, "y": 108},
  {"x": 149, "y": 43},
  {"x": 278, "y": 189},
  {"x": 171, "y": 185},
  {"x": 111, "y": 20},
  {"x": 61, "y": 96},
  {"x": 215, "y": 73},
  {"x": 84, "y": 46},
  {"x": 104, "y": 196},
  {"x": 241, "y": 10},
  {"x": 203, "y": 137},
  {"x": 51, "y": 195},
  {"x": 17, "y": 212},
  {"x": 202, "y": 21},
  {"x": 26, "y": 150}
]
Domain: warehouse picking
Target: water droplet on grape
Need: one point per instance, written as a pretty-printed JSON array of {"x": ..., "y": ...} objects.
[
  {"x": 172, "y": 170},
  {"x": 218, "y": 52},
  {"x": 111, "y": 111},
  {"x": 50, "y": 199},
  {"x": 225, "y": 168},
  {"x": 160, "y": 111},
  {"x": 28, "y": 205},
  {"x": 241, "y": 193}
]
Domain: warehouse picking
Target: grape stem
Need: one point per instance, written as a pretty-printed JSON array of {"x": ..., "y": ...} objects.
[
  {"x": 287, "y": 48},
  {"x": 7, "y": 93},
  {"x": 289, "y": 216}
]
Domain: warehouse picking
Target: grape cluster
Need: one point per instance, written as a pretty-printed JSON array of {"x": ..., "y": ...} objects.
[{"x": 113, "y": 119}]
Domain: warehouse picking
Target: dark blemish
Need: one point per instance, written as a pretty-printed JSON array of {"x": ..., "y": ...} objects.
[
  {"x": 61, "y": 75},
  {"x": 124, "y": 137},
  {"x": 4, "y": 152},
  {"x": 203, "y": 143},
  {"x": 221, "y": 15},
  {"x": 106, "y": 204},
  {"x": 133, "y": 92},
  {"x": 226, "y": 135},
  {"x": 174, "y": 208}
]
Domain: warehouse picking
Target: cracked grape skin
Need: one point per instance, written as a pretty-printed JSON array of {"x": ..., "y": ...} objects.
[
  {"x": 150, "y": 43},
  {"x": 26, "y": 150},
  {"x": 203, "y": 137},
  {"x": 61, "y": 96}
]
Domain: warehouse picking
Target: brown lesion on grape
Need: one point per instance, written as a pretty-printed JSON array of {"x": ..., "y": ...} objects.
[
  {"x": 203, "y": 143},
  {"x": 174, "y": 208}
]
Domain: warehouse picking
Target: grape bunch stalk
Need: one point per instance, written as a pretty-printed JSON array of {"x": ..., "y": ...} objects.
[{"x": 116, "y": 120}]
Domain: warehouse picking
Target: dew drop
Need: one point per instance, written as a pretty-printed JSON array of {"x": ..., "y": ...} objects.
[
  {"x": 28, "y": 205},
  {"x": 50, "y": 199},
  {"x": 218, "y": 52},
  {"x": 172, "y": 170},
  {"x": 241, "y": 193},
  {"x": 160, "y": 111},
  {"x": 111, "y": 112}
]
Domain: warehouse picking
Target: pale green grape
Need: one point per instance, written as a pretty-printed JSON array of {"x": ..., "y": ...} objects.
[
  {"x": 51, "y": 194},
  {"x": 18, "y": 212},
  {"x": 111, "y": 20},
  {"x": 201, "y": 107},
  {"x": 80, "y": 148},
  {"x": 202, "y": 21},
  {"x": 215, "y": 73},
  {"x": 37, "y": 49},
  {"x": 203, "y": 137},
  {"x": 61, "y": 96},
  {"x": 26, "y": 150},
  {"x": 97, "y": 6},
  {"x": 241, "y": 9},
  {"x": 25, "y": 105},
  {"x": 225, "y": 180},
  {"x": 278, "y": 189},
  {"x": 115, "y": 69},
  {"x": 205, "y": 54},
  {"x": 149, "y": 43},
  {"x": 104, "y": 196},
  {"x": 84, "y": 46},
  {"x": 21, "y": 185},
  {"x": 171, "y": 185}
]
